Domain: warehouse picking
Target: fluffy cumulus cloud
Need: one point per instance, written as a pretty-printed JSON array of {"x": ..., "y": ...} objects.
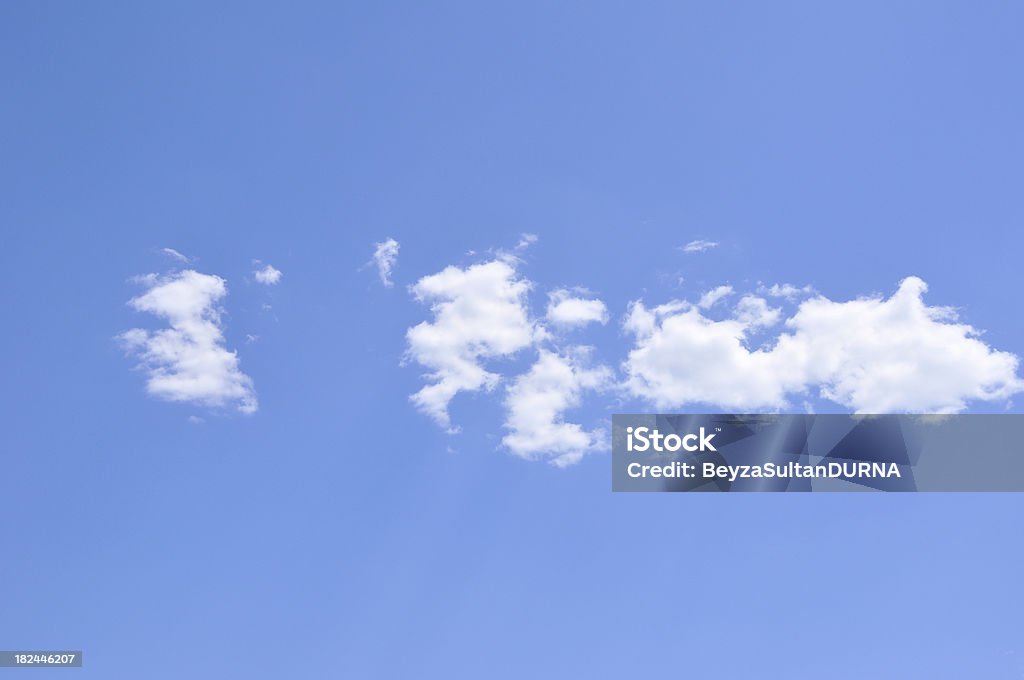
[
  {"x": 385, "y": 254},
  {"x": 877, "y": 355},
  {"x": 682, "y": 357},
  {"x": 268, "y": 275},
  {"x": 479, "y": 313},
  {"x": 537, "y": 400},
  {"x": 567, "y": 310},
  {"x": 699, "y": 246},
  {"x": 870, "y": 355},
  {"x": 754, "y": 312},
  {"x": 188, "y": 361}
]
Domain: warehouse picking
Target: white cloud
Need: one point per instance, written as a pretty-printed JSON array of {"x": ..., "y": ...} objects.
[
  {"x": 871, "y": 355},
  {"x": 267, "y": 275},
  {"x": 188, "y": 361},
  {"x": 787, "y": 290},
  {"x": 682, "y": 357},
  {"x": 566, "y": 310},
  {"x": 754, "y": 312},
  {"x": 385, "y": 254},
  {"x": 174, "y": 254},
  {"x": 868, "y": 355},
  {"x": 699, "y": 246},
  {"x": 525, "y": 241},
  {"x": 875, "y": 355},
  {"x": 536, "y": 402},
  {"x": 479, "y": 313},
  {"x": 708, "y": 299}
]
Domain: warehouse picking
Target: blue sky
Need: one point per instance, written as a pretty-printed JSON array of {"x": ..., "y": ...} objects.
[{"x": 337, "y": 530}]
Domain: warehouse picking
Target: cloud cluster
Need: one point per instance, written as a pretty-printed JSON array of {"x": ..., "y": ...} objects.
[
  {"x": 729, "y": 350},
  {"x": 870, "y": 355},
  {"x": 188, "y": 362},
  {"x": 480, "y": 314}
]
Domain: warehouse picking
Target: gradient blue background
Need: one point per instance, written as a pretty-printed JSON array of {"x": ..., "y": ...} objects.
[{"x": 333, "y": 534}]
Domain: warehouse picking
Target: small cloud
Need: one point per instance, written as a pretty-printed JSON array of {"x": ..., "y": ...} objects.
[
  {"x": 268, "y": 275},
  {"x": 144, "y": 279},
  {"x": 196, "y": 420},
  {"x": 384, "y": 256},
  {"x": 699, "y": 246},
  {"x": 754, "y": 312},
  {"x": 525, "y": 241},
  {"x": 188, "y": 360},
  {"x": 564, "y": 309},
  {"x": 786, "y": 290},
  {"x": 708, "y": 299},
  {"x": 250, "y": 338},
  {"x": 174, "y": 254}
]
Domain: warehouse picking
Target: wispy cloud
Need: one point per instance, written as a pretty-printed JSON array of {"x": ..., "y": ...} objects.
[
  {"x": 385, "y": 254},
  {"x": 174, "y": 254},
  {"x": 699, "y": 246},
  {"x": 267, "y": 275},
  {"x": 525, "y": 241},
  {"x": 188, "y": 362},
  {"x": 708, "y": 299},
  {"x": 786, "y": 290}
]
